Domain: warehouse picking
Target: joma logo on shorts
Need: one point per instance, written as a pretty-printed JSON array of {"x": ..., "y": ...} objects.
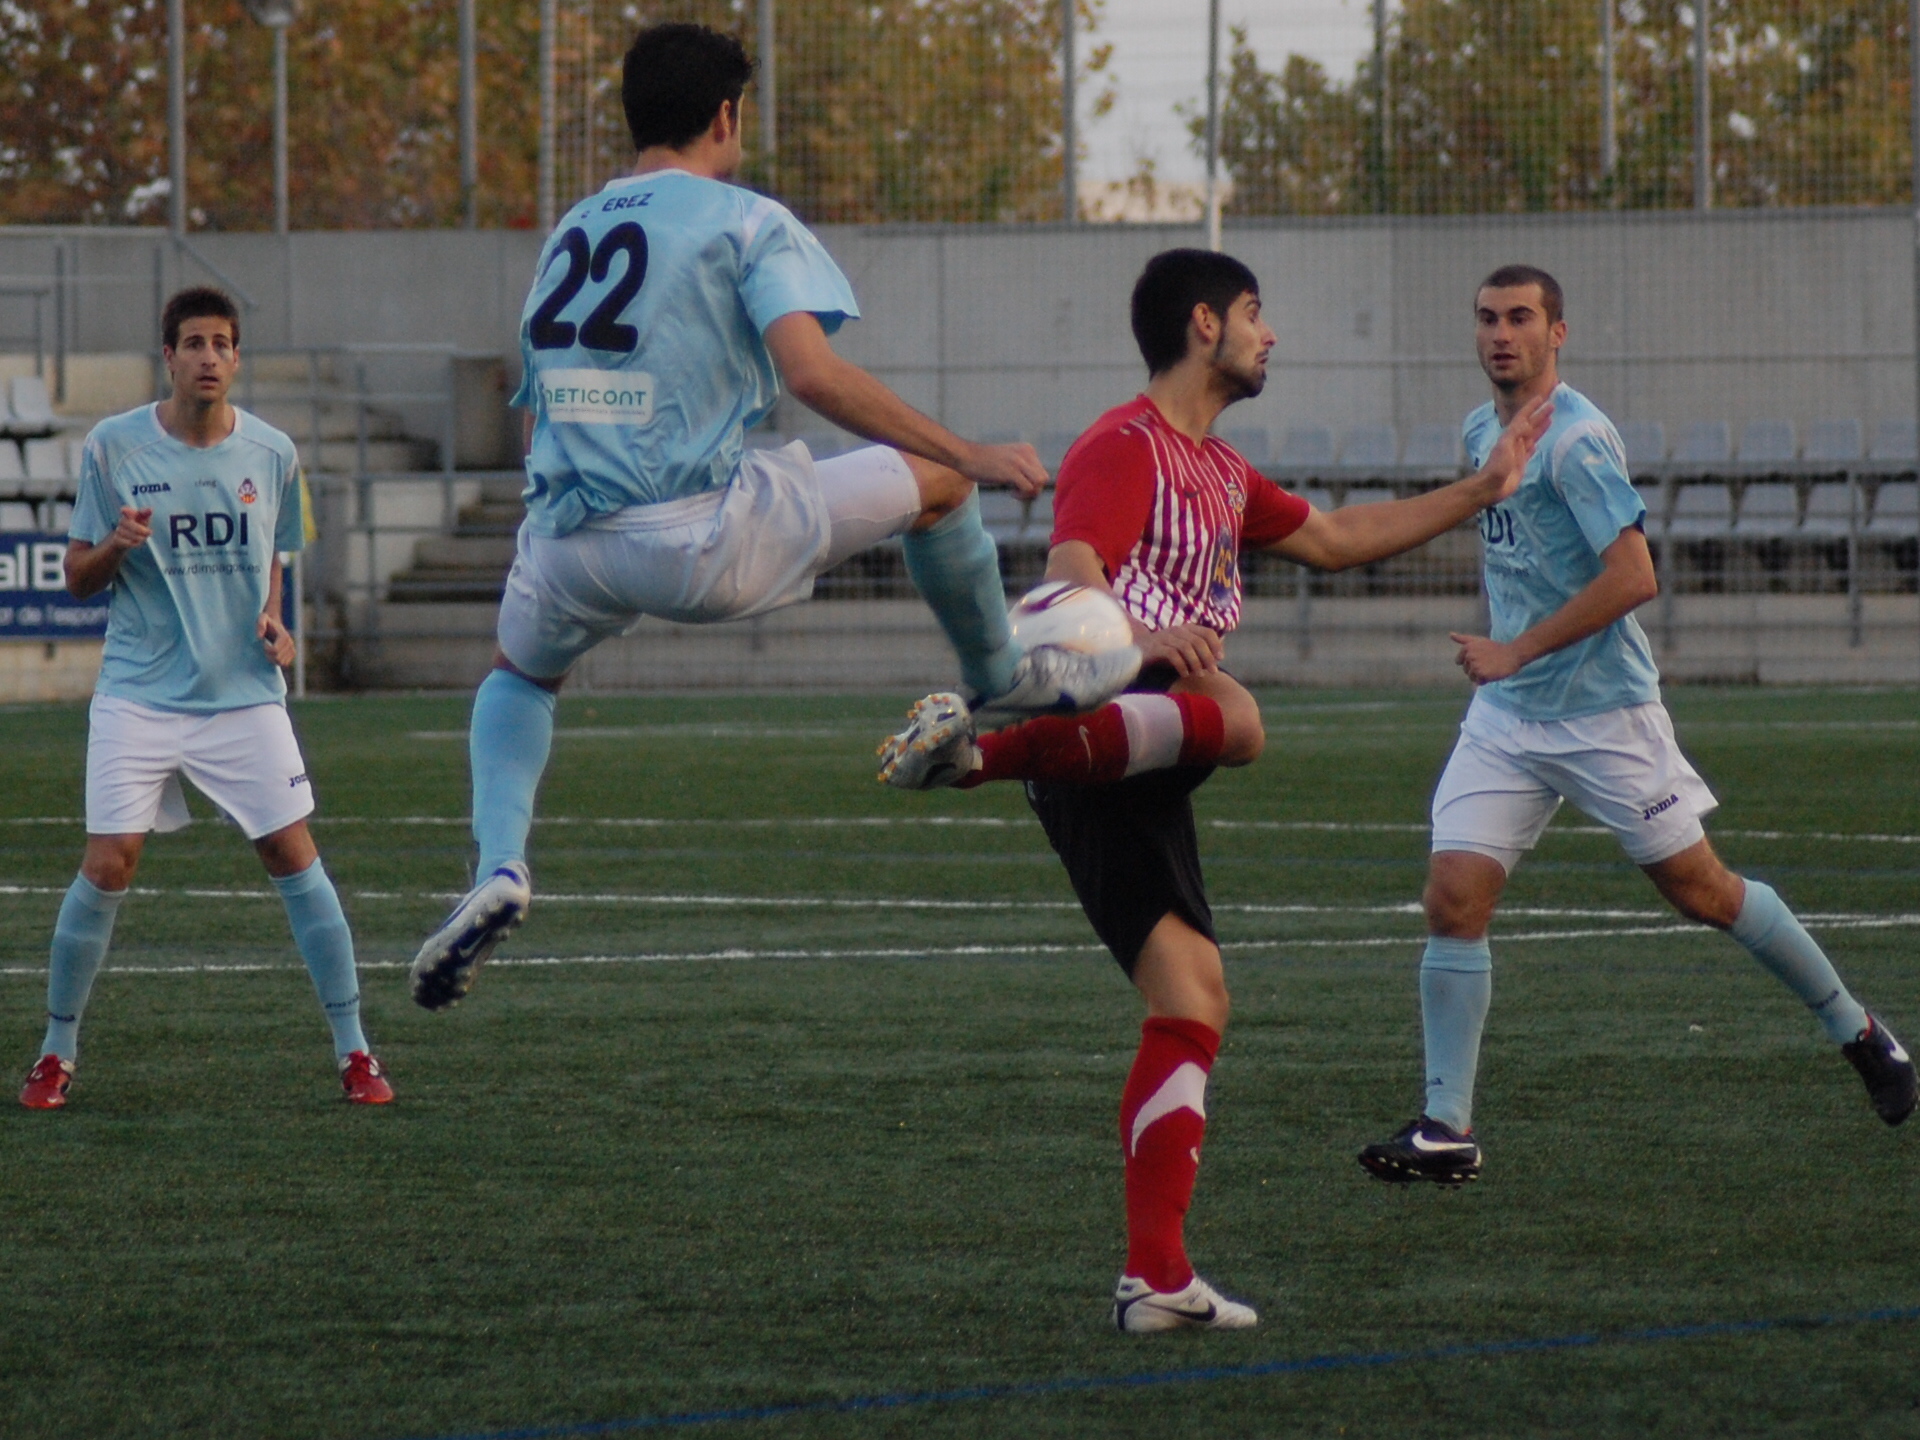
[
  {"x": 1666, "y": 804},
  {"x": 297, "y": 781}
]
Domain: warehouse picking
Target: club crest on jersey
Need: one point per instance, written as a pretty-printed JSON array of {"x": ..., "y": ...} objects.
[
  {"x": 248, "y": 492},
  {"x": 1236, "y": 495}
]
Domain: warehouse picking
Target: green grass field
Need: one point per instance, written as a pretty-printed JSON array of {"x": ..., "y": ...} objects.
[{"x": 798, "y": 1090}]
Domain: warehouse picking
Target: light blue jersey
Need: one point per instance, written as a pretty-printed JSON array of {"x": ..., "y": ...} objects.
[
  {"x": 641, "y": 340},
  {"x": 1542, "y": 545},
  {"x": 181, "y": 630}
]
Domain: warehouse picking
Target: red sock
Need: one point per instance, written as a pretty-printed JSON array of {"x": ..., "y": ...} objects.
[
  {"x": 1162, "y": 1120},
  {"x": 1096, "y": 749}
]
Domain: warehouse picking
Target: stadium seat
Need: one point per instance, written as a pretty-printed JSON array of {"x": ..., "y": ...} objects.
[
  {"x": 1896, "y": 511},
  {"x": 1654, "y": 495},
  {"x": 1307, "y": 447},
  {"x": 1768, "y": 442},
  {"x": 1369, "y": 447},
  {"x": 76, "y": 447},
  {"x": 1896, "y": 441},
  {"x": 1040, "y": 514},
  {"x": 32, "y": 411},
  {"x": 55, "y": 517},
  {"x": 13, "y": 474},
  {"x": 1704, "y": 443},
  {"x": 16, "y": 516},
  {"x": 1003, "y": 513},
  {"x": 1833, "y": 442},
  {"x": 46, "y": 467},
  {"x": 1318, "y": 497},
  {"x": 1365, "y": 495},
  {"x": 1434, "y": 447},
  {"x": 1768, "y": 511},
  {"x": 1828, "y": 506},
  {"x": 1053, "y": 446},
  {"x": 1250, "y": 441},
  {"x": 1646, "y": 442},
  {"x": 1701, "y": 512}
]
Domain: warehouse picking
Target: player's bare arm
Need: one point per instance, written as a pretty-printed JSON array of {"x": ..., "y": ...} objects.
[
  {"x": 1341, "y": 539},
  {"x": 90, "y": 568},
  {"x": 844, "y": 393},
  {"x": 274, "y": 637},
  {"x": 1625, "y": 583},
  {"x": 1194, "y": 652}
]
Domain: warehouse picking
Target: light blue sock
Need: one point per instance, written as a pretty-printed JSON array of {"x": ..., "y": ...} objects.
[
  {"x": 512, "y": 732},
  {"x": 1781, "y": 943},
  {"x": 1456, "y": 982},
  {"x": 80, "y": 939},
  {"x": 326, "y": 944},
  {"x": 956, "y": 566}
]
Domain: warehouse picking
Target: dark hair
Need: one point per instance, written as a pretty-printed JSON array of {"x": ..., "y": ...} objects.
[
  {"x": 1508, "y": 276},
  {"x": 195, "y": 303},
  {"x": 1172, "y": 284},
  {"x": 674, "y": 79}
]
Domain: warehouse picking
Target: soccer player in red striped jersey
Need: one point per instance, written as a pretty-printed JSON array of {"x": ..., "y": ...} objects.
[{"x": 1155, "y": 509}]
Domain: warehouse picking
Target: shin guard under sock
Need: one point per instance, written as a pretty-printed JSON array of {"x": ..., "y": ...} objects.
[
  {"x": 1134, "y": 734},
  {"x": 956, "y": 567},
  {"x": 80, "y": 939},
  {"x": 1163, "y": 1118},
  {"x": 1456, "y": 984},
  {"x": 508, "y": 741},
  {"x": 1774, "y": 937},
  {"x": 326, "y": 944}
]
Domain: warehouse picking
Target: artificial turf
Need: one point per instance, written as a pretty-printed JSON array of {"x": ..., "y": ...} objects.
[{"x": 821, "y": 1148}]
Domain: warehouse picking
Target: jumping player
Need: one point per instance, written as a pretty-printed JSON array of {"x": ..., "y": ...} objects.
[
  {"x": 1569, "y": 708},
  {"x": 1155, "y": 510},
  {"x": 183, "y": 509},
  {"x": 665, "y": 312}
]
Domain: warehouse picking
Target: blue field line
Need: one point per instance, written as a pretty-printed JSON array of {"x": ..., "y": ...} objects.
[{"x": 1481, "y": 1350}]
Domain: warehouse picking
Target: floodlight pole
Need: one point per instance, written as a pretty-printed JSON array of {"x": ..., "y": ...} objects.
[
  {"x": 281, "y": 218},
  {"x": 1609, "y": 143},
  {"x": 177, "y": 116},
  {"x": 1913, "y": 133},
  {"x": 1213, "y": 124},
  {"x": 769, "y": 88},
  {"x": 1702, "y": 112},
  {"x": 469, "y": 120},
  {"x": 1069, "y": 140},
  {"x": 549, "y": 17},
  {"x": 1380, "y": 106}
]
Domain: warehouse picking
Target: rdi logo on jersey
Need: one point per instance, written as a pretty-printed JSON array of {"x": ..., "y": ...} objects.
[{"x": 211, "y": 530}]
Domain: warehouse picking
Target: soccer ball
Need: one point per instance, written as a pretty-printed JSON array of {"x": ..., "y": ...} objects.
[{"x": 1072, "y": 616}]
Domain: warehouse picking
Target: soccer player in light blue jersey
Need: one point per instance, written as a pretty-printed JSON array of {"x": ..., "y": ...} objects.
[
  {"x": 666, "y": 311},
  {"x": 1569, "y": 708},
  {"x": 184, "y": 507}
]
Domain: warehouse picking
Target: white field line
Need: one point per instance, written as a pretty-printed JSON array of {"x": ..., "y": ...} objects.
[
  {"x": 1239, "y": 949},
  {"x": 1281, "y": 724},
  {"x": 991, "y": 822}
]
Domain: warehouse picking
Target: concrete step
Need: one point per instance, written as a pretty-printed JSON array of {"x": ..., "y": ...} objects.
[
  {"x": 491, "y": 517},
  {"x": 487, "y": 554},
  {"x": 339, "y": 420},
  {"x": 384, "y": 457}
]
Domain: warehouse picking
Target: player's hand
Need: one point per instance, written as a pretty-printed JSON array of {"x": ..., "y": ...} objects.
[
  {"x": 1189, "y": 649},
  {"x": 1511, "y": 452},
  {"x": 1484, "y": 660},
  {"x": 1016, "y": 465},
  {"x": 275, "y": 640},
  {"x": 134, "y": 529}
]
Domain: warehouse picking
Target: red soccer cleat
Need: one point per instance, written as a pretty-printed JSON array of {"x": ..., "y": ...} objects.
[
  {"x": 47, "y": 1082},
  {"x": 364, "y": 1081}
]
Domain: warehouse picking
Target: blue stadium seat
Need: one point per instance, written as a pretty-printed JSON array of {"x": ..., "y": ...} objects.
[
  {"x": 1646, "y": 443},
  {"x": 1365, "y": 495},
  {"x": 32, "y": 410},
  {"x": 1769, "y": 510},
  {"x": 17, "y": 515},
  {"x": 13, "y": 474},
  {"x": 1003, "y": 513},
  {"x": 1896, "y": 441},
  {"x": 1704, "y": 443},
  {"x": 1768, "y": 442},
  {"x": 1434, "y": 447},
  {"x": 1896, "y": 511},
  {"x": 1053, "y": 446},
  {"x": 1318, "y": 497},
  {"x": 1828, "y": 505},
  {"x": 1834, "y": 442},
  {"x": 1250, "y": 441},
  {"x": 1308, "y": 448},
  {"x": 1701, "y": 512},
  {"x": 1369, "y": 447}
]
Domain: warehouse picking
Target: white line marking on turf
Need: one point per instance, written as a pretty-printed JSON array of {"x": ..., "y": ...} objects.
[{"x": 1238, "y": 948}]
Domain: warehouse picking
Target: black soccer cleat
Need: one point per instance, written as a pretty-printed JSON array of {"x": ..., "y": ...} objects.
[
  {"x": 1424, "y": 1149},
  {"x": 1883, "y": 1063}
]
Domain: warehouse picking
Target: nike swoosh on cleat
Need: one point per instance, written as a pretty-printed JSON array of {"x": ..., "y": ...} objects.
[
  {"x": 1896, "y": 1051},
  {"x": 1439, "y": 1147},
  {"x": 1159, "y": 1302}
]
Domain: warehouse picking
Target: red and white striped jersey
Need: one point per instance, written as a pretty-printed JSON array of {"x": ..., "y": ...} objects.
[{"x": 1168, "y": 517}]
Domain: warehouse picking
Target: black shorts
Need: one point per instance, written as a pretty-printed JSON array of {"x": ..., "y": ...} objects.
[{"x": 1131, "y": 853}]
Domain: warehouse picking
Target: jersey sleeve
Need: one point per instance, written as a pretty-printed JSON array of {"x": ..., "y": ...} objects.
[
  {"x": 1590, "y": 472},
  {"x": 95, "y": 510},
  {"x": 1272, "y": 514},
  {"x": 785, "y": 269},
  {"x": 1103, "y": 496},
  {"x": 290, "y": 525}
]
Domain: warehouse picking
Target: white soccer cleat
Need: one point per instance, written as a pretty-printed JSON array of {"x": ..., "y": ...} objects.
[
  {"x": 1050, "y": 680},
  {"x": 1139, "y": 1309},
  {"x": 936, "y": 749},
  {"x": 443, "y": 970}
]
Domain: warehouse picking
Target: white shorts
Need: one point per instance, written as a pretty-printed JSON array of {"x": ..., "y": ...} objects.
[
  {"x": 1622, "y": 767},
  {"x": 743, "y": 550},
  {"x": 246, "y": 761}
]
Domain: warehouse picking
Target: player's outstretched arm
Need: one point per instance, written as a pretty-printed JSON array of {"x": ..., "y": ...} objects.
[
  {"x": 1625, "y": 582},
  {"x": 1341, "y": 539},
  {"x": 854, "y": 400},
  {"x": 91, "y": 568}
]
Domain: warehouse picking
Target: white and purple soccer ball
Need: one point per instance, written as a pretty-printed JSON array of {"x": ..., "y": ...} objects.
[{"x": 1072, "y": 616}]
